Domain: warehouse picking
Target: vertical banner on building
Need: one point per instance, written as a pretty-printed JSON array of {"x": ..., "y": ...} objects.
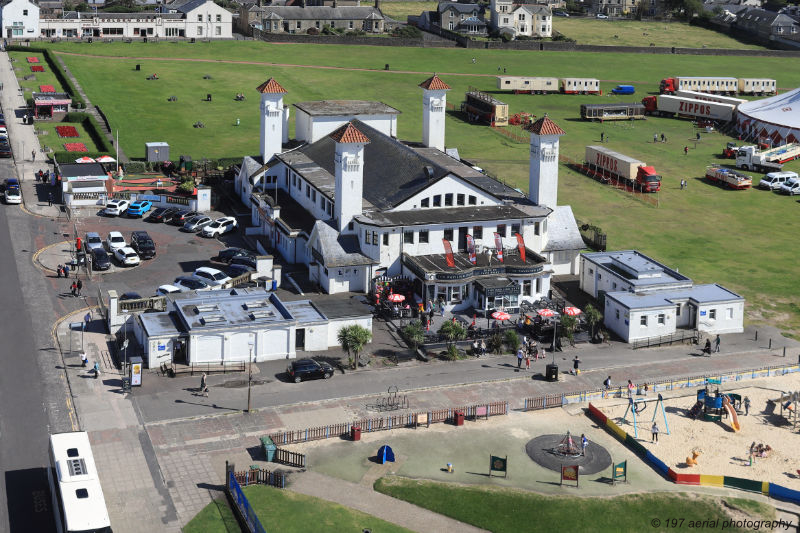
[
  {"x": 521, "y": 244},
  {"x": 448, "y": 250},
  {"x": 471, "y": 249},
  {"x": 498, "y": 244}
]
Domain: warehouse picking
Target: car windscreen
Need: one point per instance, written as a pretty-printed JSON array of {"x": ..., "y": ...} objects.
[
  {"x": 219, "y": 276},
  {"x": 94, "y": 240}
]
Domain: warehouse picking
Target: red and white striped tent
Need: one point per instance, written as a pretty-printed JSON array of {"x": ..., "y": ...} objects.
[{"x": 776, "y": 118}]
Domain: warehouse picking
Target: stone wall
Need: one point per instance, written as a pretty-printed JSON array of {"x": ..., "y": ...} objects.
[{"x": 354, "y": 40}]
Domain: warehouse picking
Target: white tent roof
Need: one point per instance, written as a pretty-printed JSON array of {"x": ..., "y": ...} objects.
[{"x": 781, "y": 110}]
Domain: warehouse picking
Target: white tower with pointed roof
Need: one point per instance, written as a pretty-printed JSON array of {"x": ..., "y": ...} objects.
[
  {"x": 272, "y": 118},
  {"x": 349, "y": 174},
  {"x": 543, "y": 178},
  {"x": 434, "y": 100}
]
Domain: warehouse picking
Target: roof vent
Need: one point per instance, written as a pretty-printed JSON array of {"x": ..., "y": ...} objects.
[{"x": 429, "y": 172}]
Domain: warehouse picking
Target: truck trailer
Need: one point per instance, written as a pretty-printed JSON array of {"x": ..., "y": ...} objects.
[
  {"x": 728, "y": 177},
  {"x": 607, "y": 165},
  {"x": 527, "y": 84},
  {"x": 603, "y": 112},
  {"x": 719, "y": 85},
  {"x": 580, "y": 86},
  {"x": 696, "y": 95},
  {"x": 750, "y": 158},
  {"x": 666, "y": 105},
  {"x": 480, "y": 106}
]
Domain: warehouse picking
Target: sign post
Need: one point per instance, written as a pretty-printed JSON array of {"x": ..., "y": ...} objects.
[
  {"x": 569, "y": 473},
  {"x": 498, "y": 464},
  {"x": 620, "y": 473}
]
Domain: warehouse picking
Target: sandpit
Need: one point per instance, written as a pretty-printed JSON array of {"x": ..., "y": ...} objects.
[{"x": 724, "y": 451}]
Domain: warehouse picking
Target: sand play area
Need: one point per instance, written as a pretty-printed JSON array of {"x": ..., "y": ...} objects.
[{"x": 724, "y": 451}]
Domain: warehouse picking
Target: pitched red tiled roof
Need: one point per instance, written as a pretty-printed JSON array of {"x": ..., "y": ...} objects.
[
  {"x": 545, "y": 126},
  {"x": 349, "y": 134},
  {"x": 270, "y": 86},
  {"x": 434, "y": 83}
]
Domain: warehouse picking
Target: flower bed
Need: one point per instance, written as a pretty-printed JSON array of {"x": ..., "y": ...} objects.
[
  {"x": 47, "y": 89},
  {"x": 67, "y": 131},
  {"x": 32, "y": 59},
  {"x": 37, "y": 68},
  {"x": 75, "y": 147}
]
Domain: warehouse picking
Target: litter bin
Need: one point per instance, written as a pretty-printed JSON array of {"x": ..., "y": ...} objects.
[
  {"x": 269, "y": 448},
  {"x": 551, "y": 372},
  {"x": 138, "y": 66},
  {"x": 355, "y": 433},
  {"x": 459, "y": 418}
]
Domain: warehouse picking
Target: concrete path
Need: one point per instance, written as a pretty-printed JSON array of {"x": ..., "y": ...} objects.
[{"x": 376, "y": 504}]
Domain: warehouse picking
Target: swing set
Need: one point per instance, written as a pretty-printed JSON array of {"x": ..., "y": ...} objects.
[{"x": 636, "y": 407}]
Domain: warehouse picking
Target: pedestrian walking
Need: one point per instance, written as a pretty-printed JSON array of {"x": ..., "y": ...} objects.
[
  {"x": 473, "y": 60},
  {"x": 662, "y": 138},
  {"x": 716, "y": 344},
  {"x": 59, "y": 270},
  {"x": 203, "y": 383},
  {"x": 746, "y": 405},
  {"x": 602, "y": 135},
  {"x": 575, "y": 365},
  {"x": 655, "y": 137},
  {"x": 33, "y": 155},
  {"x": 698, "y": 135},
  {"x": 519, "y": 358},
  {"x": 654, "y": 431},
  {"x": 685, "y": 150},
  {"x": 483, "y": 347},
  {"x": 607, "y": 383},
  {"x": 504, "y": 70},
  {"x": 74, "y": 288},
  {"x": 441, "y": 306},
  {"x": 527, "y": 362},
  {"x": 630, "y": 389},
  {"x": 79, "y": 286},
  {"x": 681, "y": 184},
  {"x": 49, "y": 199},
  {"x": 96, "y": 370},
  {"x": 66, "y": 271},
  {"x": 584, "y": 444}
]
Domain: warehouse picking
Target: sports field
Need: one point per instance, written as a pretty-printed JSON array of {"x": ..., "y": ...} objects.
[{"x": 739, "y": 239}]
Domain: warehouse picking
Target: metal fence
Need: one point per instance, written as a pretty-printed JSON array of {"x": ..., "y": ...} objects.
[
  {"x": 247, "y": 512},
  {"x": 690, "y": 336}
]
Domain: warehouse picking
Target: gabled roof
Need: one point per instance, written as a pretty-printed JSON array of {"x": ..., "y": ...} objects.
[
  {"x": 188, "y": 6},
  {"x": 562, "y": 231},
  {"x": 348, "y": 134},
  {"x": 320, "y": 12},
  {"x": 270, "y": 87},
  {"x": 434, "y": 83},
  {"x": 461, "y": 8},
  {"x": 334, "y": 108},
  {"x": 545, "y": 126},
  {"x": 338, "y": 250},
  {"x": 532, "y": 8}
]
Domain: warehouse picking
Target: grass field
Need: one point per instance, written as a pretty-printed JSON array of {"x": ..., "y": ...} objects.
[
  {"x": 632, "y": 33},
  {"x": 288, "y": 512},
  {"x": 22, "y": 68},
  {"x": 49, "y": 137},
  {"x": 737, "y": 238},
  {"x": 511, "y": 511},
  {"x": 401, "y": 10}
]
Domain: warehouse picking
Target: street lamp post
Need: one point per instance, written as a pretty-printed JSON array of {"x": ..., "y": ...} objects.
[{"x": 250, "y": 373}]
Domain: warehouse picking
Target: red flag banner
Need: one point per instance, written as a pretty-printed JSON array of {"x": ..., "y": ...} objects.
[
  {"x": 521, "y": 244},
  {"x": 448, "y": 250},
  {"x": 498, "y": 244},
  {"x": 471, "y": 249}
]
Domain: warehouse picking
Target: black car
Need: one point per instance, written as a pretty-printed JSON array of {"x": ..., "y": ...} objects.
[
  {"x": 5, "y": 149},
  {"x": 143, "y": 244},
  {"x": 226, "y": 255},
  {"x": 234, "y": 271},
  {"x": 309, "y": 369},
  {"x": 162, "y": 214},
  {"x": 130, "y": 296},
  {"x": 244, "y": 260},
  {"x": 100, "y": 259},
  {"x": 180, "y": 218}
]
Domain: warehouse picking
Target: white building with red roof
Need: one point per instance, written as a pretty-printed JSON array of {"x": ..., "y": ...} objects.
[{"x": 354, "y": 203}]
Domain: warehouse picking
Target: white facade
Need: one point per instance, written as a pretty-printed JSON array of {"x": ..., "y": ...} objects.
[
  {"x": 272, "y": 118},
  {"x": 313, "y": 128},
  {"x": 20, "y": 20},
  {"x": 349, "y": 169},
  {"x": 543, "y": 175},
  {"x": 434, "y": 103},
  {"x": 530, "y": 20}
]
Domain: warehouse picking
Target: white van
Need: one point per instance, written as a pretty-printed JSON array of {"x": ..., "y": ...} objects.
[
  {"x": 774, "y": 180},
  {"x": 791, "y": 187}
]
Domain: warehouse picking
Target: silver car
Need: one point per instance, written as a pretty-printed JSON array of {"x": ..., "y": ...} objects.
[{"x": 197, "y": 223}]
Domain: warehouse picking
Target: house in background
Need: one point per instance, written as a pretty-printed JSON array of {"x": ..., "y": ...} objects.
[
  {"x": 462, "y": 18},
  {"x": 768, "y": 26},
  {"x": 19, "y": 19},
  {"x": 517, "y": 18},
  {"x": 300, "y": 19}
]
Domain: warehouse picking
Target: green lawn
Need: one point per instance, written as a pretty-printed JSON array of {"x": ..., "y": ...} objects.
[
  {"x": 401, "y": 10},
  {"x": 632, "y": 33},
  {"x": 22, "y": 68},
  {"x": 738, "y": 239},
  {"x": 288, "y": 512},
  {"x": 512, "y": 511},
  {"x": 49, "y": 137}
]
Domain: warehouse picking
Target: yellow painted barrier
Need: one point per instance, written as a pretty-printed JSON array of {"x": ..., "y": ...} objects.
[
  {"x": 712, "y": 481},
  {"x": 616, "y": 429},
  {"x": 765, "y": 488}
]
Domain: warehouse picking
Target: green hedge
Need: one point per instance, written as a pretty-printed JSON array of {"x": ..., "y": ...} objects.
[
  {"x": 66, "y": 84},
  {"x": 70, "y": 157}
]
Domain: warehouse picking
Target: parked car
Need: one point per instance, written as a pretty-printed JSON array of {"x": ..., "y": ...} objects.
[
  {"x": 601, "y": 16},
  {"x": 100, "y": 258},
  {"x": 5, "y": 148},
  {"x": 143, "y": 244},
  {"x": 115, "y": 208},
  {"x": 623, "y": 89},
  {"x": 791, "y": 187},
  {"x": 226, "y": 255},
  {"x": 560, "y": 13},
  {"x": 183, "y": 215},
  {"x": 127, "y": 256},
  {"x": 130, "y": 296},
  {"x": 162, "y": 214},
  {"x": 220, "y": 226},
  {"x": 13, "y": 195},
  {"x": 188, "y": 283},
  {"x": 774, "y": 180},
  {"x": 234, "y": 271},
  {"x": 93, "y": 241},
  {"x": 139, "y": 208},
  {"x": 197, "y": 223},
  {"x": 303, "y": 369},
  {"x": 163, "y": 290},
  {"x": 245, "y": 260},
  {"x": 115, "y": 240},
  {"x": 211, "y": 276}
]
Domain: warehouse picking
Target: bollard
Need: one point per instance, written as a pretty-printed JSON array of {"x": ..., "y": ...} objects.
[
  {"x": 770, "y": 344},
  {"x": 756, "y": 334},
  {"x": 784, "y": 351}
]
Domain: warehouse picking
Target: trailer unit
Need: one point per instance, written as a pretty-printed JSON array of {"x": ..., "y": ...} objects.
[
  {"x": 580, "y": 86},
  {"x": 602, "y": 112},
  {"x": 526, "y": 84}
]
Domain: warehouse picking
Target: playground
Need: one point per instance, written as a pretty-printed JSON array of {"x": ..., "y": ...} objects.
[{"x": 705, "y": 433}]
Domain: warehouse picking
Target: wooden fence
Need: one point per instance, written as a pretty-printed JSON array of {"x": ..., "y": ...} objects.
[
  {"x": 543, "y": 402},
  {"x": 260, "y": 477},
  {"x": 290, "y": 458}
]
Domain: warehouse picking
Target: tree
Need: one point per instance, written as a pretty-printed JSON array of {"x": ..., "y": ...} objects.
[
  {"x": 568, "y": 325},
  {"x": 495, "y": 343},
  {"x": 453, "y": 332},
  {"x": 512, "y": 340},
  {"x": 414, "y": 334},
  {"x": 593, "y": 317},
  {"x": 352, "y": 340}
]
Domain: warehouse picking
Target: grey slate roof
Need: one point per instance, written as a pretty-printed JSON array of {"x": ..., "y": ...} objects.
[
  {"x": 562, "y": 231},
  {"x": 461, "y": 8},
  {"x": 339, "y": 250},
  {"x": 251, "y": 164},
  {"x": 71, "y": 170},
  {"x": 652, "y": 274},
  {"x": 320, "y": 12},
  {"x": 323, "y": 108},
  {"x": 700, "y": 294},
  {"x": 185, "y": 7},
  {"x": 452, "y": 215}
]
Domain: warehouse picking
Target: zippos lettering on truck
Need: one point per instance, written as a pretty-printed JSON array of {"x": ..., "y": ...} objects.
[
  {"x": 692, "y": 107},
  {"x": 606, "y": 162}
]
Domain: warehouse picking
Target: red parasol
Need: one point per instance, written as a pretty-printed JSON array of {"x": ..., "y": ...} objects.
[
  {"x": 396, "y": 298},
  {"x": 546, "y": 313},
  {"x": 500, "y": 315},
  {"x": 572, "y": 311}
]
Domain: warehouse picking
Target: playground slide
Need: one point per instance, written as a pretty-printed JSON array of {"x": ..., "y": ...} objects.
[{"x": 731, "y": 413}]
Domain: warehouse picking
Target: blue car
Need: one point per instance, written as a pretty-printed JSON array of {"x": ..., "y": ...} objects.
[
  {"x": 138, "y": 209},
  {"x": 623, "y": 89}
]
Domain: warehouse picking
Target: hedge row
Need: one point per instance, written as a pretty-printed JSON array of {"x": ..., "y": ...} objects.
[
  {"x": 70, "y": 157},
  {"x": 66, "y": 83}
]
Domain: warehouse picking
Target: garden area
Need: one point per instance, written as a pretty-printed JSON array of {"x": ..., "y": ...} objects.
[{"x": 61, "y": 136}]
